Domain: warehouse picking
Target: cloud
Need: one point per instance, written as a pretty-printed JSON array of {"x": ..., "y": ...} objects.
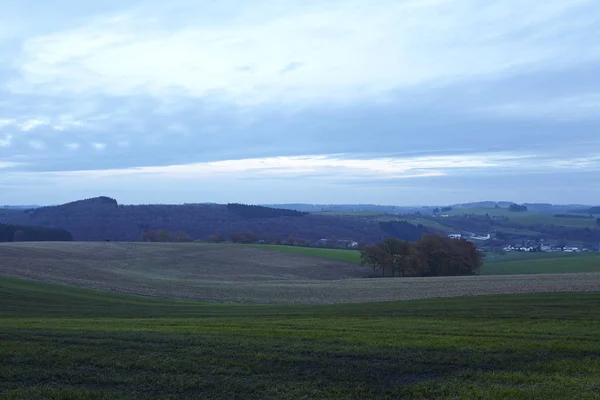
[
  {"x": 72, "y": 146},
  {"x": 6, "y": 140},
  {"x": 37, "y": 144},
  {"x": 26, "y": 124},
  {"x": 5, "y": 122},
  {"x": 291, "y": 67},
  {"x": 361, "y": 49},
  {"x": 98, "y": 146},
  {"x": 8, "y": 164},
  {"x": 404, "y": 98},
  {"x": 32, "y": 124},
  {"x": 340, "y": 178},
  {"x": 342, "y": 167},
  {"x": 566, "y": 108},
  {"x": 178, "y": 128}
]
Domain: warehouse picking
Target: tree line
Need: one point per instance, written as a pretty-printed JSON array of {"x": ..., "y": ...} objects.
[
  {"x": 163, "y": 236},
  {"x": 575, "y": 216},
  {"x": 403, "y": 229},
  {"x": 20, "y": 233},
  {"x": 251, "y": 211},
  {"x": 517, "y": 208},
  {"x": 431, "y": 255}
]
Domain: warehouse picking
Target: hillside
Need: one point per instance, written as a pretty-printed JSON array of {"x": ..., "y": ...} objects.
[
  {"x": 174, "y": 261},
  {"x": 228, "y": 273},
  {"x": 505, "y": 226},
  {"x": 102, "y": 218}
]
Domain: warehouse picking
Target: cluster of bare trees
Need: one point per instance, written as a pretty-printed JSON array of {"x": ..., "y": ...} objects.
[{"x": 432, "y": 255}]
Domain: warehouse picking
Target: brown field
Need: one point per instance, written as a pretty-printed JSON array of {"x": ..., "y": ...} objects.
[{"x": 206, "y": 272}]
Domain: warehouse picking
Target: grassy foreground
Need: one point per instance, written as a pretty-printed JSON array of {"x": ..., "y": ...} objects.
[{"x": 62, "y": 342}]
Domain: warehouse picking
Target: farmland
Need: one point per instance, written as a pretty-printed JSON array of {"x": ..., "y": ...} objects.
[
  {"x": 350, "y": 256},
  {"x": 529, "y": 217},
  {"x": 64, "y": 342},
  {"x": 384, "y": 217},
  {"x": 247, "y": 274},
  {"x": 507, "y": 264},
  {"x": 442, "y": 224},
  {"x": 542, "y": 263}
]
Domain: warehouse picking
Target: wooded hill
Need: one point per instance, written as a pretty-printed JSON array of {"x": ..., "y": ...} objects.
[{"x": 102, "y": 218}]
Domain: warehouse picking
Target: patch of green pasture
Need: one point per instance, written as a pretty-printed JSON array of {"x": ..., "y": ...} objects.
[
  {"x": 529, "y": 217},
  {"x": 351, "y": 213},
  {"x": 542, "y": 263},
  {"x": 351, "y": 256},
  {"x": 508, "y": 264},
  {"x": 524, "y": 256},
  {"x": 63, "y": 342}
]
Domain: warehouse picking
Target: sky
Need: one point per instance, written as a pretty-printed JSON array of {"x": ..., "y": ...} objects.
[{"x": 400, "y": 102}]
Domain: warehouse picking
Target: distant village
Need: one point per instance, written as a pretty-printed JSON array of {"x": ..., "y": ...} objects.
[{"x": 528, "y": 246}]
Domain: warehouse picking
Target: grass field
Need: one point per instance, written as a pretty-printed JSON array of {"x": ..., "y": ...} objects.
[
  {"x": 59, "y": 342},
  {"x": 246, "y": 274},
  {"x": 351, "y": 213},
  {"x": 385, "y": 217},
  {"x": 529, "y": 217},
  {"x": 350, "y": 256},
  {"x": 524, "y": 218},
  {"x": 510, "y": 263},
  {"x": 542, "y": 263}
]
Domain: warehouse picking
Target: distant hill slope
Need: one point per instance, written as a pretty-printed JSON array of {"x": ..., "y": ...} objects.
[{"x": 102, "y": 218}]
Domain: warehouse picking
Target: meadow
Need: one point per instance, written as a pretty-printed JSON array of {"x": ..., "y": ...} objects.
[
  {"x": 350, "y": 256},
  {"x": 507, "y": 264},
  {"x": 541, "y": 263},
  {"x": 523, "y": 218},
  {"x": 59, "y": 342},
  {"x": 385, "y": 217},
  {"x": 530, "y": 217}
]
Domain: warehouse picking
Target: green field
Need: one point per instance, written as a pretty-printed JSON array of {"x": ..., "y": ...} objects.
[
  {"x": 524, "y": 218},
  {"x": 351, "y": 256},
  {"x": 541, "y": 263},
  {"x": 385, "y": 217},
  {"x": 529, "y": 217},
  {"x": 510, "y": 263},
  {"x": 351, "y": 213},
  {"x": 61, "y": 342}
]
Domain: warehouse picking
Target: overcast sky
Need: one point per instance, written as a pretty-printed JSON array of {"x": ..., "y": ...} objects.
[{"x": 378, "y": 101}]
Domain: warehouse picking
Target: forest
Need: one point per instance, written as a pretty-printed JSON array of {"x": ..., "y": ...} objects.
[
  {"x": 18, "y": 233},
  {"x": 253, "y": 211}
]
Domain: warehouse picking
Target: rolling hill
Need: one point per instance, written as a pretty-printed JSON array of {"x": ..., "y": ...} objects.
[
  {"x": 247, "y": 274},
  {"x": 102, "y": 218}
]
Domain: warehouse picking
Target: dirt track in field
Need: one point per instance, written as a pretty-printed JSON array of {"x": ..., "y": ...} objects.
[{"x": 226, "y": 273}]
